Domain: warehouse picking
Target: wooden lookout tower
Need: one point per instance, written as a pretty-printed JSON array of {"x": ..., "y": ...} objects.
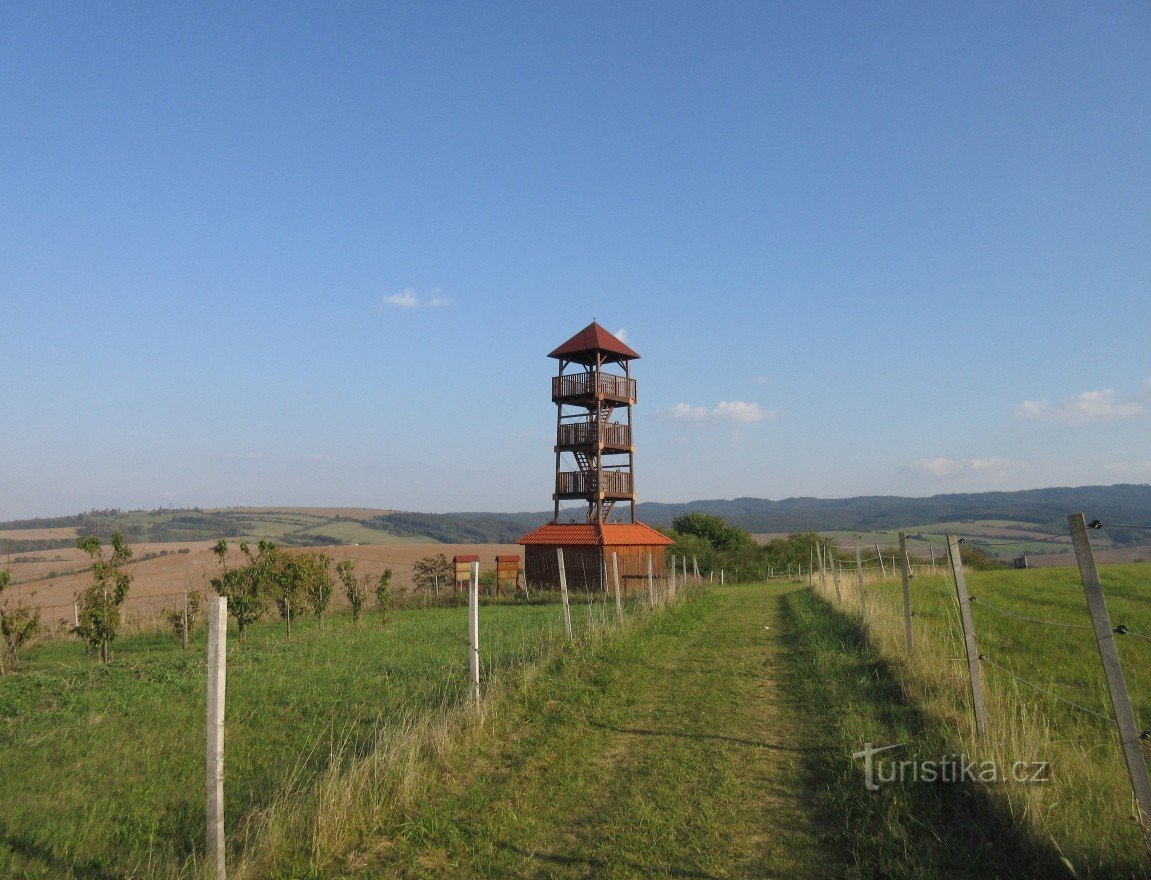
[{"x": 594, "y": 394}]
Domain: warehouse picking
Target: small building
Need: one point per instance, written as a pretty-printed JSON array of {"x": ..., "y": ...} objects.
[{"x": 594, "y": 394}]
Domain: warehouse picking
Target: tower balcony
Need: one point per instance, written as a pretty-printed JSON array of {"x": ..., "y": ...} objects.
[
  {"x": 587, "y": 389},
  {"x": 583, "y": 484},
  {"x": 616, "y": 437}
]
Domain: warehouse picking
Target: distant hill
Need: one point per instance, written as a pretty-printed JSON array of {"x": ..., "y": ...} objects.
[{"x": 1043, "y": 509}]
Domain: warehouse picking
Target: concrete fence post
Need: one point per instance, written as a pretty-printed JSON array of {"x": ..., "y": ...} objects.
[{"x": 214, "y": 751}]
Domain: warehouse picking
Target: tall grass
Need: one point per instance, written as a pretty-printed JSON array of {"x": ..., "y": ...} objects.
[{"x": 1086, "y": 810}]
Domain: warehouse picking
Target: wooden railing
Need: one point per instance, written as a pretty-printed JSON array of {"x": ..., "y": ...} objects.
[
  {"x": 593, "y": 385},
  {"x": 583, "y": 434},
  {"x": 584, "y": 483}
]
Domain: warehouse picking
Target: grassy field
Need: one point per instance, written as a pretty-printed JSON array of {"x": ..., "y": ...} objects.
[
  {"x": 101, "y": 767},
  {"x": 1045, "y": 691}
]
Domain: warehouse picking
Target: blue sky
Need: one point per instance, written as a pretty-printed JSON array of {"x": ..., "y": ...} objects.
[{"x": 317, "y": 253}]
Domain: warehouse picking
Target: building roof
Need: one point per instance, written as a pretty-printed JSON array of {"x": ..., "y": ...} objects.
[
  {"x": 469, "y": 558},
  {"x": 596, "y": 535},
  {"x": 590, "y": 340}
]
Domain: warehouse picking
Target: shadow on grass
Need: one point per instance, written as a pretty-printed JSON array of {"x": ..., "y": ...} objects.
[
  {"x": 843, "y": 693},
  {"x": 44, "y": 857},
  {"x": 598, "y": 867},
  {"x": 703, "y": 736}
]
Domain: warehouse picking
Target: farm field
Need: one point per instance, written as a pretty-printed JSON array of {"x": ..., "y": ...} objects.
[
  {"x": 107, "y": 760},
  {"x": 159, "y": 582}
]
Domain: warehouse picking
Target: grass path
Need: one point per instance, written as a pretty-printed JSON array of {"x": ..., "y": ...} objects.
[{"x": 669, "y": 756}]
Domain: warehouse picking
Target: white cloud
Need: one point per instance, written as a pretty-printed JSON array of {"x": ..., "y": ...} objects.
[
  {"x": 946, "y": 467},
  {"x": 409, "y": 299},
  {"x": 1090, "y": 406},
  {"x": 760, "y": 380},
  {"x": 731, "y": 412},
  {"x": 621, "y": 335}
]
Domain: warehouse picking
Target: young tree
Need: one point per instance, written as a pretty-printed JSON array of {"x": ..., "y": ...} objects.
[
  {"x": 426, "y": 571},
  {"x": 384, "y": 594},
  {"x": 98, "y": 607},
  {"x": 355, "y": 589},
  {"x": 315, "y": 581},
  {"x": 243, "y": 587},
  {"x": 191, "y": 609},
  {"x": 19, "y": 624}
]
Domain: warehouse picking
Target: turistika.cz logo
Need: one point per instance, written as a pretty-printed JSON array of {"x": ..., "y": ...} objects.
[{"x": 879, "y": 771}]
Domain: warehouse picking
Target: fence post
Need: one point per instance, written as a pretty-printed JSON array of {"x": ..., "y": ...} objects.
[
  {"x": 474, "y": 631},
  {"x": 214, "y": 751},
  {"x": 564, "y": 592},
  {"x": 1109, "y": 655},
  {"x": 931, "y": 553},
  {"x": 615, "y": 573},
  {"x": 721, "y": 577},
  {"x": 694, "y": 566},
  {"x": 75, "y": 614},
  {"x": 650, "y": 583},
  {"x": 184, "y": 640},
  {"x": 671, "y": 582},
  {"x": 834, "y": 576},
  {"x": 882, "y": 567},
  {"x": 905, "y": 575},
  {"x": 822, "y": 575},
  {"x": 968, "y": 634},
  {"x": 862, "y": 589}
]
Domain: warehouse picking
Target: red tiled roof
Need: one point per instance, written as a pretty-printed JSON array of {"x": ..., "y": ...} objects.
[
  {"x": 590, "y": 339},
  {"x": 513, "y": 558},
  {"x": 596, "y": 535},
  {"x": 465, "y": 559}
]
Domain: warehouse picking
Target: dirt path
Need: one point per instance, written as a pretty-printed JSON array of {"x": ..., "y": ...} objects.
[{"x": 670, "y": 757}]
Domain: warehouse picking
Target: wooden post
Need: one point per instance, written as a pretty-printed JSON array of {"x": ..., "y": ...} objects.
[
  {"x": 184, "y": 639},
  {"x": 882, "y": 567},
  {"x": 905, "y": 573},
  {"x": 822, "y": 575},
  {"x": 615, "y": 573},
  {"x": 695, "y": 566},
  {"x": 75, "y": 614},
  {"x": 834, "y": 576},
  {"x": 650, "y": 583},
  {"x": 1113, "y": 669},
  {"x": 564, "y": 592},
  {"x": 214, "y": 763},
  {"x": 810, "y": 565},
  {"x": 968, "y": 635},
  {"x": 931, "y": 551},
  {"x": 721, "y": 577},
  {"x": 862, "y": 589},
  {"x": 671, "y": 581},
  {"x": 474, "y": 631},
  {"x": 436, "y": 586}
]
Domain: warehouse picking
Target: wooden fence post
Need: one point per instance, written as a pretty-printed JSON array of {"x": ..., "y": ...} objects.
[
  {"x": 968, "y": 634},
  {"x": 834, "y": 576},
  {"x": 695, "y": 566},
  {"x": 882, "y": 567},
  {"x": 650, "y": 583},
  {"x": 862, "y": 589},
  {"x": 615, "y": 572},
  {"x": 905, "y": 573},
  {"x": 671, "y": 581},
  {"x": 214, "y": 752},
  {"x": 184, "y": 639},
  {"x": 1113, "y": 669},
  {"x": 564, "y": 592},
  {"x": 931, "y": 552},
  {"x": 474, "y": 631},
  {"x": 822, "y": 575}
]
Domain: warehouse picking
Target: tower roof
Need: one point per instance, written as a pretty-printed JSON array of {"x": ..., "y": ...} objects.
[
  {"x": 591, "y": 340},
  {"x": 596, "y": 535}
]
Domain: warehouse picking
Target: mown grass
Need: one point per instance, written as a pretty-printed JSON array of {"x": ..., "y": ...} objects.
[
  {"x": 1085, "y": 812},
  {"x": 101, "y": 767}
]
